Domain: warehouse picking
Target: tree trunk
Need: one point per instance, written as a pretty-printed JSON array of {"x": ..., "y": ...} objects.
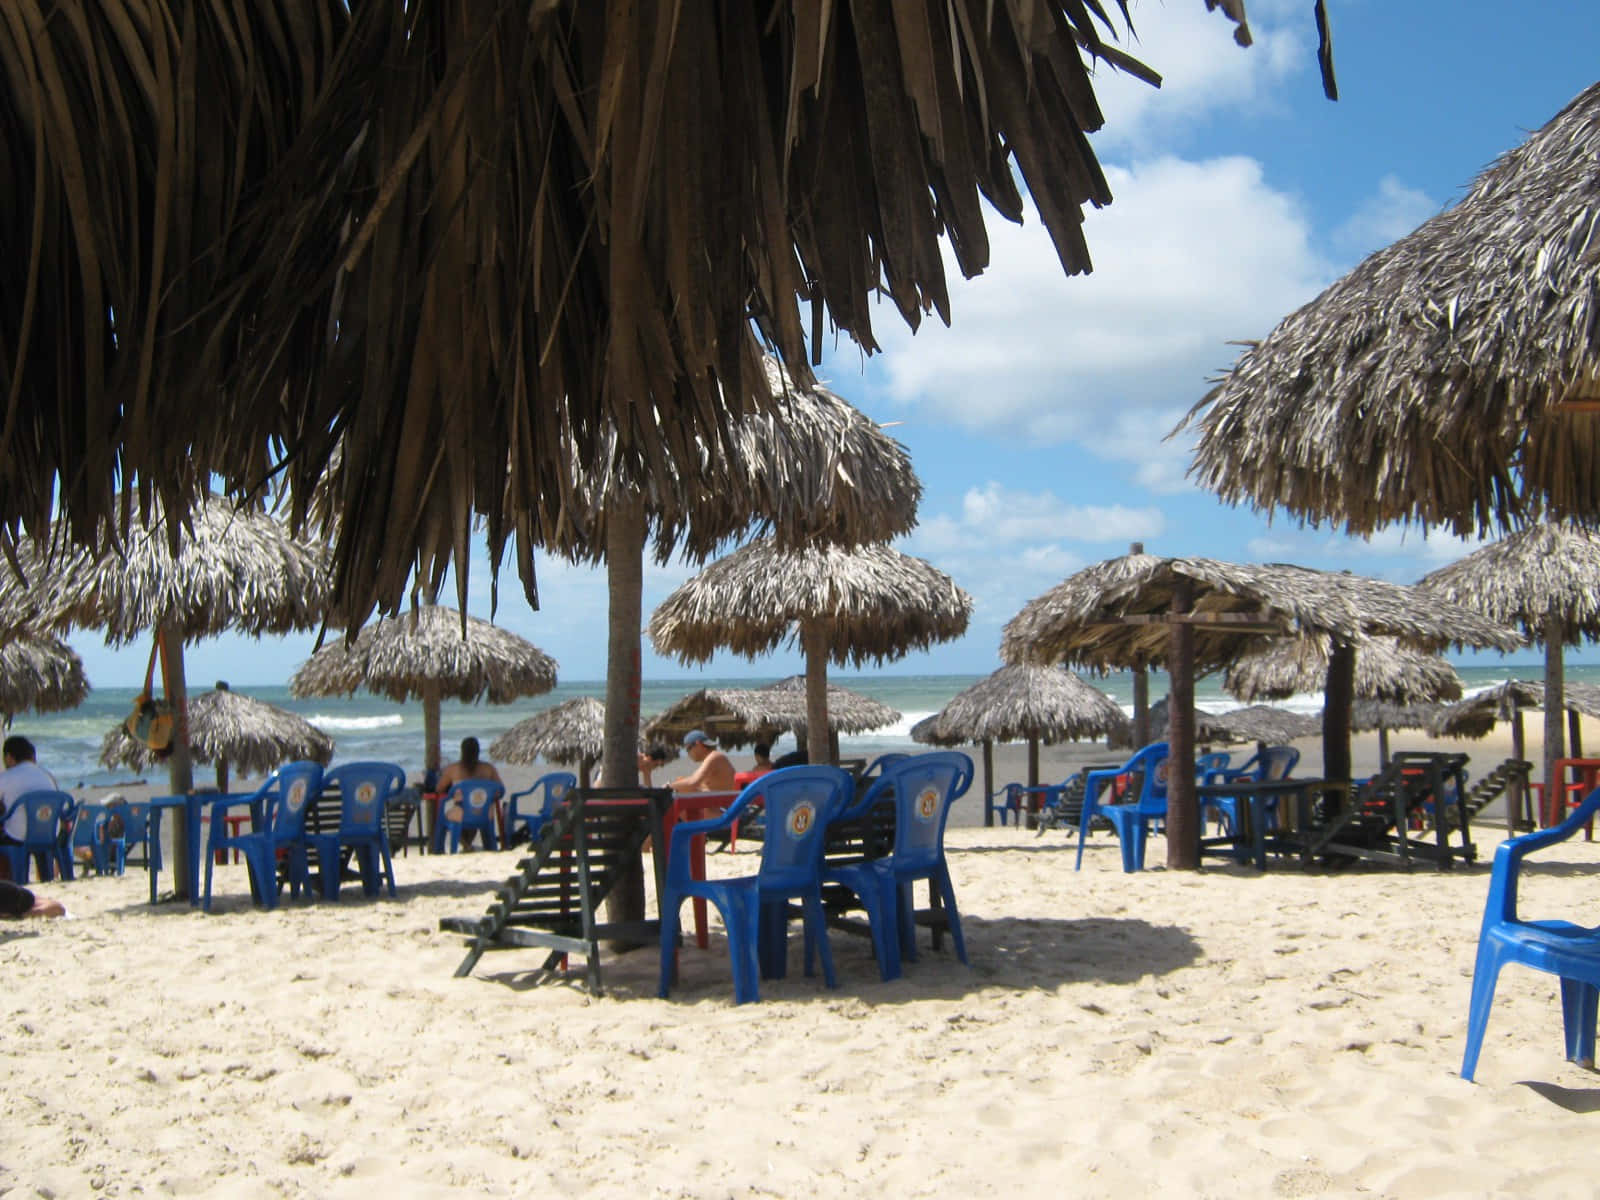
[
  {"x": 432, "y": 752},
  {"x": 180, "y": 763},
  {"x": 222, "y": 776},
  {"x": 814, "y": 641},
  {"x": 1339, "y": 696},
  {"x": 1555, "y": 696},
  {"x": 1383, "y": 746},
  {"x": 625, "y": 530},
  {"x": 1183, "y": 812}
]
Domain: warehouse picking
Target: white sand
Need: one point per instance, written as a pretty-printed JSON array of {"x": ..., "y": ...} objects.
[{"x": 1217, "y": 1034}]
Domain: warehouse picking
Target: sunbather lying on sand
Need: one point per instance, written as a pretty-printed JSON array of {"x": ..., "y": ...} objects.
[{"x": 16, "y": 901}]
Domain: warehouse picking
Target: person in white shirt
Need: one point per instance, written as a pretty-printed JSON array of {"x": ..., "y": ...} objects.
[{"x": 21, "y": 776}]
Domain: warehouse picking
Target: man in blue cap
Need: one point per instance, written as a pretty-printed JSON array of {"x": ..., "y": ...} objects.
[{"x": 713, "y": 770}]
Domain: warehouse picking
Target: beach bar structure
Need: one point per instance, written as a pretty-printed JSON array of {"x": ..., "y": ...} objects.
[{"x": 1203, "y": 614}]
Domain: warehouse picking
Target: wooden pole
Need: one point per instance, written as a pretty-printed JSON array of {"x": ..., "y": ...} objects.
[
  {"x": 1383, "y": 746},
  {"x": 1575, "y": 732},
  {"x": 1183, "y": 817},
  {"x": 1032, "y": 806},
  {"x": 1339, "y": 697},
  {"x": 1555, "y": 688},
  {"x": 1519, "y": 751},
  {"x": 1141, "y": 689},
  {"x": 1141, "y": 707},
  {"x": 180, "y": 763},
  {"x": 988, "y": 782},
  {"x": 814, "y": 641}
]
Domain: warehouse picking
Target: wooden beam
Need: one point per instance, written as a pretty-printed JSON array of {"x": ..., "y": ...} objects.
[
  {"x": 1234, "y": 622},
  {"x": 1183, "y": 813}
]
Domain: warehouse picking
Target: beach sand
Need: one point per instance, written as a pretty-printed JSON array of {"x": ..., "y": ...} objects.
[{"x": 1220, "y": 1033}]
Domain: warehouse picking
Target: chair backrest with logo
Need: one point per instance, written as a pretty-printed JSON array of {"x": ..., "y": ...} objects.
[
  {"x": 298, "y": 783},
  {"x": 799, "y": 804},
  {"x": 364, "y": 789},
  {"x": 925, "y": 785}
]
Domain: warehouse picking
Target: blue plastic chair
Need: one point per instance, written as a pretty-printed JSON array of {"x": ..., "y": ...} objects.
[
  {"x": 1269, "y": 763},
  {"x": 478, "y": 800},
  {"x": 554, "y": 787},
  {"x": 285, "y": 796},
  {"x": 89, "y": 828},
  {"x": 922, "y": 787},
  {"x": 41, "y": 837},
  {"x": 799, "y": 803},
  {"x": 877, "y": 766},
  {"x": 135, "y": 833},
  {"x": 1130, "y": 821},
  {"x": 1570, "y": 952},
  {"x": 365, "y": 788}
]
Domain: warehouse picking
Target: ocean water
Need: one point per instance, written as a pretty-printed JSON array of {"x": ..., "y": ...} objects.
[{"x": 372, "y": 727}]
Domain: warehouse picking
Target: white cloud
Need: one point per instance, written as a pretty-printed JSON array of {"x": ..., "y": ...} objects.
[
  {"x": 1396, "y": 553},
  {"x": 1394, "y": 211},
  {"x": 1203, "y": 71},
  {"x": 1192, "y": 255}
]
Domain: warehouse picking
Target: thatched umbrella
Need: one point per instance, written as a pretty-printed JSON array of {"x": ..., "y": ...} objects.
[
  {"x": 1207, "y": 729},
  {"x": 1384, "y": 671},
  {"x": 39, "y": 673},
  {"x": 1385, "y": 717},
  {"x": 1545, "y": 580},
  {"x": 221, "y": 568},
  {"x": 736, "y": 717},
  {"x": 1204, "y": 613},
  {"x": 1039, "y": 704},
  {"x": 1477, "y": 715},
  {"x": 1459, "y": 366},
  {"x": 811, "y": 469},
  {"x": 230, "y": 729},
  {"x": 1264, "y": 723},
  {"x": 427, "y": 655},
  {"x": 496, "y": 207},
  {"x": 869, "y": 604},
  {"x": 571, "y": 733}
]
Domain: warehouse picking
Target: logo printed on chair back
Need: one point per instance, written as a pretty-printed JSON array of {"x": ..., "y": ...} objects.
[
  {"x": 927, "y": 805},
  {"x": 296, "y": 799},
  {"x": 366, "y": 794},
  {"x": 557, "y": 790},
  {"x": 42, "y": 813},
  {"x": 802, "y": 819},
  {"x": 1161, "y": 772},
  {"x": 477, "y": 799}
]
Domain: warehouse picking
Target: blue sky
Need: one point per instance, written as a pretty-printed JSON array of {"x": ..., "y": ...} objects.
[{"x": 1036, "y": 420}]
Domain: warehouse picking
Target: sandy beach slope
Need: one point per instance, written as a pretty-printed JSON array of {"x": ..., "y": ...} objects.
[{"x": 1213, "y": 1034}]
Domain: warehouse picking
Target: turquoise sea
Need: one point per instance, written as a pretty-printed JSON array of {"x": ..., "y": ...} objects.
[{"x": 373, "y": 727}]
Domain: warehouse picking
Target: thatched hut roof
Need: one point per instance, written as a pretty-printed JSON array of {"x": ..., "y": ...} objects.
[
  {"x": 569, "y": 228},
  {"x": 250, "y": 735},
  {"x": 1385, "y": 670},
  {"x": 1022, "y": 702},
  {"x": 572, "y": 732},
  {"x": 874, "y": 602},
  {"x": 39, "y": 673},
  {"x": 811, "y": 467},
  {"x": 1582, "y": 698},
  {"x": 1264, "y": 723},
  {"x": 1440, "y": 364},
  {"x": 1081, "y": 621},
  {"x": 399, "y": 657},
  {"x": 1476, "y": 715},
  {"x": 1545, "y": 570},
  {"x": 1369, "y": 715},
  {"x": 736, "y": 717},
  {"x": 223, "y": 568}
]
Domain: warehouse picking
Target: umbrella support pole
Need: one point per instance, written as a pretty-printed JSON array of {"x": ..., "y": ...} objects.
[{"x": 1183, "y": 817}]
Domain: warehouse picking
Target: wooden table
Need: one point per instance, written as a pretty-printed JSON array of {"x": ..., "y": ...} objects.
[{"x": 1250, "y": 844}]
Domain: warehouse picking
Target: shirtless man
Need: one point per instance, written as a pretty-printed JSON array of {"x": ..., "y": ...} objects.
[{"x": 713, "y": 769}]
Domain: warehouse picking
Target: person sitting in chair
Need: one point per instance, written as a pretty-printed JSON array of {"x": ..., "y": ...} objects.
[
  {"x": 763, "y": 764},
  {"x": 713, "y": 769},
  {"x": 469, "y": 766}
]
